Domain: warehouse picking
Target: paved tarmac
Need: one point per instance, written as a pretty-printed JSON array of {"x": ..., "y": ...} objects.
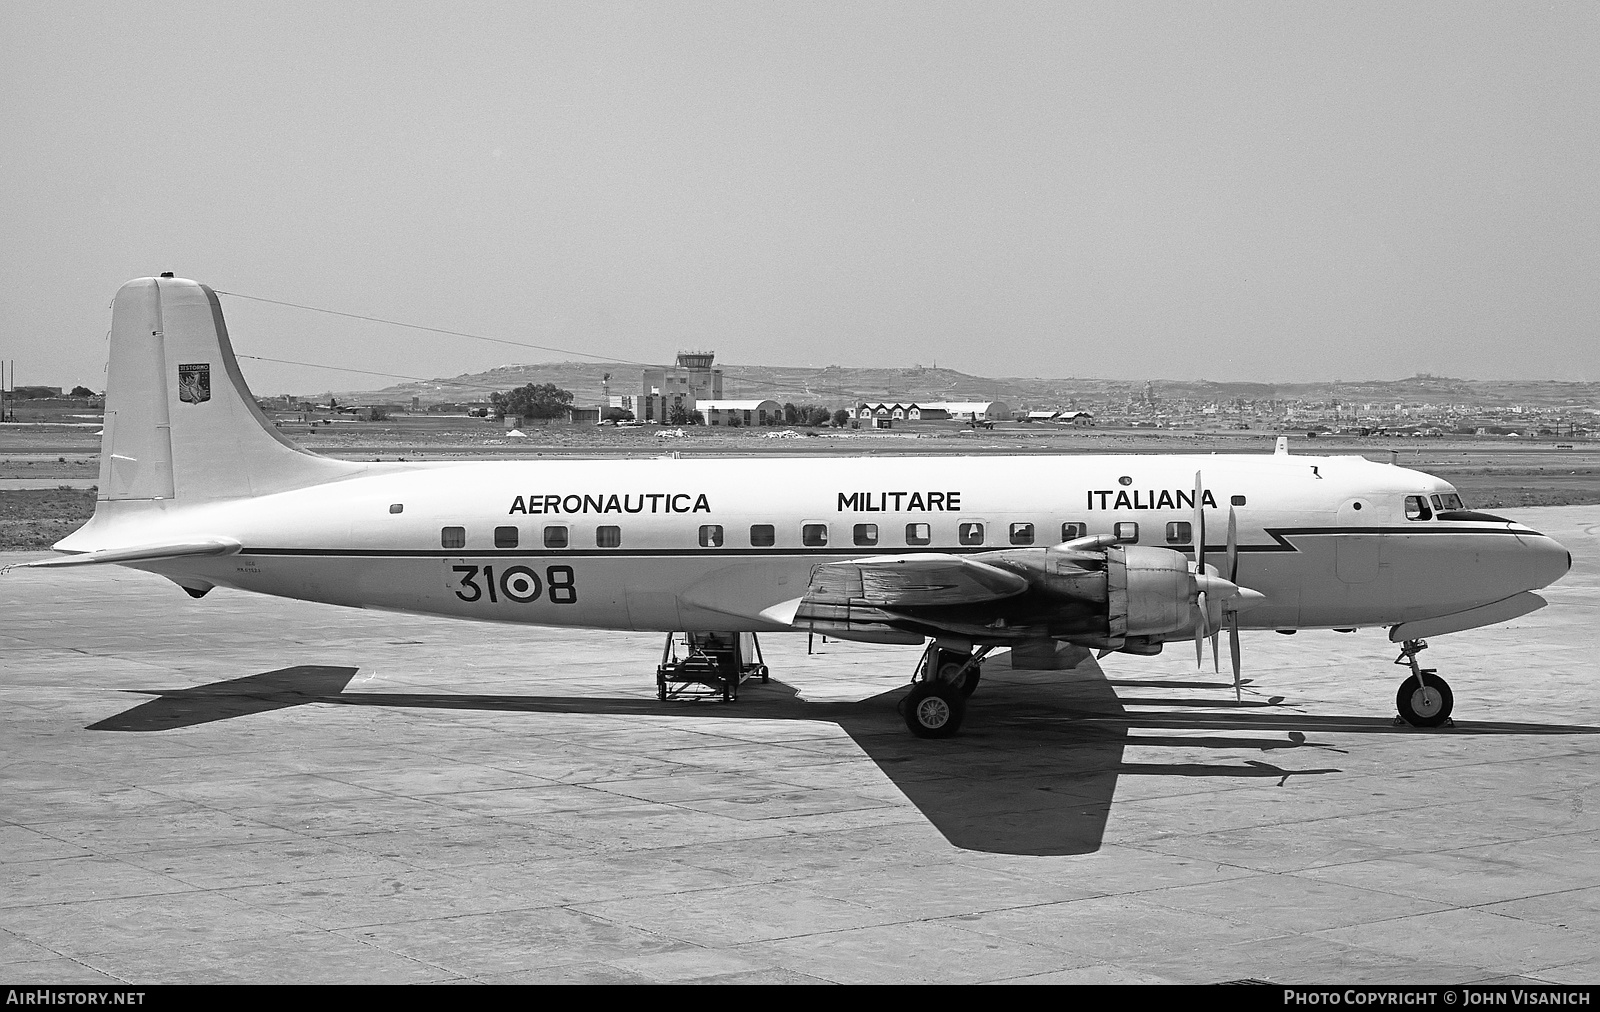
[{"x": 252, "y": 790}]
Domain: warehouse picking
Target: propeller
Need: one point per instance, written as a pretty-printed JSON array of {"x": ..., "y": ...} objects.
[{"x": 1224, "y": 589}]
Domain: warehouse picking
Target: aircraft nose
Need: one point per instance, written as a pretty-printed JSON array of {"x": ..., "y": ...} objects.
[{"x": 1544, "y": 560}]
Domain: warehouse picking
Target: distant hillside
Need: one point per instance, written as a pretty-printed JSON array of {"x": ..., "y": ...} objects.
[
  {"x": 838, "y": 386},
  {"x": 830, "y": 385}
]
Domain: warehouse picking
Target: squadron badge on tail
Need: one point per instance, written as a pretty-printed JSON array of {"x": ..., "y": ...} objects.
[{"x": 194, "y": 382}]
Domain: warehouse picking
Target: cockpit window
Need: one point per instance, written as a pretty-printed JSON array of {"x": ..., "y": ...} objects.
[
  {"x": 1417, "y": 508},
  {"x": 1447, "y": 501}
]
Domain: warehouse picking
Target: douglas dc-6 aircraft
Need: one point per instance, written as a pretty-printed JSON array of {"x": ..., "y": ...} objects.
[{"x": 960, "y": 554}]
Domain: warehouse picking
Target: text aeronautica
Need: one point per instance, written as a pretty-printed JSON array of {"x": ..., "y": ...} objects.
[{"x": 644, "y": 502}]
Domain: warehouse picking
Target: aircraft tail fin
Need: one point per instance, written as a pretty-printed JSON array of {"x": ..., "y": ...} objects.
[{"x": 180, "y": 423}]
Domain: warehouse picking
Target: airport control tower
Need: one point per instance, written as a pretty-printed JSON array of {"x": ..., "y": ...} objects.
[{"x": 691, "y": 380}]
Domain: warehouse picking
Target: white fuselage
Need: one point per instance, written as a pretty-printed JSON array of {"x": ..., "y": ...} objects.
[{"x": 668, "y": 543}]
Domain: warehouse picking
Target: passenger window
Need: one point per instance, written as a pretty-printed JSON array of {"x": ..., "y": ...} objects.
[
  {"x": 763, "y": 536},
  {"x": 814, "y": 535},
  {"x": 866, "y": 534},
  {"x": 970, "y": 532},
  {"x": 555, "y": 537},
  {"x": 1072, "y": 531},
  {"x": 711, "y": 536},
  {"x": 1022, "y": 534},
  {"x": 919, "y": 534},
  {"x": 1127, "y": 532},
  {"x": 1238, "y": 500},
  {"x": 608, "y": 537},
  {"x": 453, "y": 537},
  {"x": 1417, "y": 508},
  {"x": 505, "y": 537},
  {"x": 1180, "y": 532}
]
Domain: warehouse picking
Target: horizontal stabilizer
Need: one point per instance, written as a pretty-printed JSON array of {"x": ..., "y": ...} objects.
[
  {"x": 907, "y": 581},
  {"x": 141, "y": 553},
  {"x": 1489, "y": 614}
]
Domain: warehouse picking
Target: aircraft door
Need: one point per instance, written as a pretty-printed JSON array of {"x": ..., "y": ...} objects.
[{"x": 1358, "y": 548}]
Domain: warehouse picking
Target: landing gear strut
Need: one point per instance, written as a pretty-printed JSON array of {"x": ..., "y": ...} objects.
[
  {"x": 1424, "y": 699},
  {"x": 939, "y": 689}
]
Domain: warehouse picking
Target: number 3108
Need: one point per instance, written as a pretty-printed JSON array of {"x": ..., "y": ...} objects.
[{"x": 518, "y": 584}]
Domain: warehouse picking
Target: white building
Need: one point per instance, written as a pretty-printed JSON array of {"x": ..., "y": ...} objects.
[
  {"x": 976, "y": 411},
  {"x": 903, "y": 411},
  {"x": 760, "y": 412}
]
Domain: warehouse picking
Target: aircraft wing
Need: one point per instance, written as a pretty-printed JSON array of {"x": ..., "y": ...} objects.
[{"x": 903, "y": 581}]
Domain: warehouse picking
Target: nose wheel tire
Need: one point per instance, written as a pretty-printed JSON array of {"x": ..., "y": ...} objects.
[
  {"x": 1424, "y": 702},
  {"x": 934, "y": 711}
]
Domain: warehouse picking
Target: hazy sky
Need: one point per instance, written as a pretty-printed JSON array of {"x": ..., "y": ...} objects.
[{"x": 1272, "y": 191}]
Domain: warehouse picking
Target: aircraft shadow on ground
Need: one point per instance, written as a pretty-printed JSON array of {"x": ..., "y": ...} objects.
[{"x": 1033, "y": 772}]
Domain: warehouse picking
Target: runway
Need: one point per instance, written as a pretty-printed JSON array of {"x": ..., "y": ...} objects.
[{"x": 242, "y": 789}]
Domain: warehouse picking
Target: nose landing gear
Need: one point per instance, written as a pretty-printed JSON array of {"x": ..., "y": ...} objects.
[{"x": 1424, "y": 699}]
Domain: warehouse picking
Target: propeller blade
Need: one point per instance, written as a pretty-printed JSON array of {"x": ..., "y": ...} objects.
[
  {"x": 1233, "y": 651},
  {"x": 1199, "y": 527},
  {"x": 1233, "y": 546},
  {"x": 1200, "y": 628},
  {"x": 1216, "y": 662}
]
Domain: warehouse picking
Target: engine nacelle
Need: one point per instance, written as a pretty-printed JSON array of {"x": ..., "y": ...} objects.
[
  {"x": 1115, "y": 597},
  {"x": 1149, "y": 591},
  {"x": 1132, "y": 596}
]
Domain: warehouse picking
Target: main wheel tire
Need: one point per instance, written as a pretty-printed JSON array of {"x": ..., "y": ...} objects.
[
  {"x": 950, "y": 665},
  {"x": 934, "y": 711},
  {"x": 1424, "y": 703}
]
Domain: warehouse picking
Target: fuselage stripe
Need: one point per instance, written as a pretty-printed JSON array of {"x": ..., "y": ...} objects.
[{"x": 1280, "y": 536}]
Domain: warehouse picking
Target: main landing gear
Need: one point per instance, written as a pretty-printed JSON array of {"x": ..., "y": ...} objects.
[
  {"x": 1424, "y": 699},
  {"x": 939, "y": 689}
]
